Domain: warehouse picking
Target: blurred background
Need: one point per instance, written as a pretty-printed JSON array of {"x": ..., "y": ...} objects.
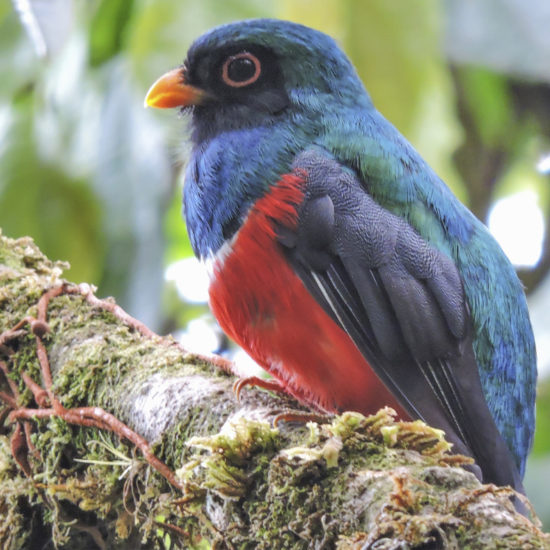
[{"x": 94, "y": 178}]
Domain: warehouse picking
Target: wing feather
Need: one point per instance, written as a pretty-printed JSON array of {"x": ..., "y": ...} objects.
[{"x": 402, "y": 302}]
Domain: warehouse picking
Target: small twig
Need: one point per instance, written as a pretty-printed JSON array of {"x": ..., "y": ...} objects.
[
  {"x": 49, "y": 405},
  {"x": 39, "y": 393},
  {"x": 13, "y": 333},
  {"x": 174, "y": 528},
  {"x": 30, "y": 444},
  {"x": 107, "y": 305},
  {"x": 44, "y": 301},
  {"x": 12, "y": 385},
  {"x": 8, "y": 400},
  {"x": 96, "y": 417},
  {"x": 217, "y": 360},
  {"x": 19, "y": 450},
  {"x": 117, "y": 311}
]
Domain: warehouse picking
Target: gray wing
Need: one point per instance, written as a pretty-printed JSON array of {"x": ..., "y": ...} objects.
[{"x": 401, "y": 301}]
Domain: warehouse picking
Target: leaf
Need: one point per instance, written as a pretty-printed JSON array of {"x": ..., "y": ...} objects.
[
  {"x": 489, "y": 101},
  {"x": 108, "y": 29}
]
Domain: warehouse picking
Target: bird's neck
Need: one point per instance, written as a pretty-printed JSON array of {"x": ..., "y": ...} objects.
[{"x": 228, "y": 173}]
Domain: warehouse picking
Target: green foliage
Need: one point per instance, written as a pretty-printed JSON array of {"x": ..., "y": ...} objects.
[
  {"x": 542, "y": 434},
  {"x": 107, "y": 29},
  {"x": 177, "y": 241},
  {"x": 392, "y": 44},
  {"x": 489, "y": 100},
  {"x": 39, "y": 198}
]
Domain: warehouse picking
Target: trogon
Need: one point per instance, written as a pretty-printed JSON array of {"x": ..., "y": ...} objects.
[{"x": 339, "y": 260}]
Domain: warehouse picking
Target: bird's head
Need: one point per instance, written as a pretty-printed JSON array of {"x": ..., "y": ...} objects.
[{"x": 257, "y": 72}]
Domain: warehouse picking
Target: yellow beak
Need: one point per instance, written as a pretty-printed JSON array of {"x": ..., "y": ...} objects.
[{"x": 171, "y": 90}]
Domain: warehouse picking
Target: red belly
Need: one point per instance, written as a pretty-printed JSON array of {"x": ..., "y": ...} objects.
[{"x": 261, "y": 304}]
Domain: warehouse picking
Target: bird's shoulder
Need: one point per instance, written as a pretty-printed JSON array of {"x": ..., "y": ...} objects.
[{"x": 341, "y": 227}]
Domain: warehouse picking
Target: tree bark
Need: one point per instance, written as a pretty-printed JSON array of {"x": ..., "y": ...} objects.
[{"x": 238, "y": 482}]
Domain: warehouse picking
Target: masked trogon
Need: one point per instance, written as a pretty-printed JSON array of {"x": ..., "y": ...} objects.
[{"x": 339, "y": 260}]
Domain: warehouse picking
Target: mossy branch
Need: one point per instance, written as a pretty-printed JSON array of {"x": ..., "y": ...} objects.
[{"x": 353, "y": 483}]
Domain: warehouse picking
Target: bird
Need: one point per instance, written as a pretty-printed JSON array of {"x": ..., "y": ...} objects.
[{"x": 338, "y": 259}]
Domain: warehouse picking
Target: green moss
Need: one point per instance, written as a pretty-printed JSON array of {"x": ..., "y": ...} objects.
[
  {"x": 92, "y": 355},
  {"x": 226, "y": 468},
  {"x": 393, "y": 490},
  {"x": 354, "y": 482}
]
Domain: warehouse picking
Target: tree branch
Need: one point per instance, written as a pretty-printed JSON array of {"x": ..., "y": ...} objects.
[{"x": 355, "y": 482}]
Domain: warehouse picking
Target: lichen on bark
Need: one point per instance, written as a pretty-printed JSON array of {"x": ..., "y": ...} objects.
[{"x": 354, "y": 482}]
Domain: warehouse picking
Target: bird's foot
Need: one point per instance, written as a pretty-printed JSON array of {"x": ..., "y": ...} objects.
[
  {"x": 48, "y": 405},
  {"x": 255, "y": 381},
  {"x": 276, "y": 386},
  {"x": 224, "y": 364}
]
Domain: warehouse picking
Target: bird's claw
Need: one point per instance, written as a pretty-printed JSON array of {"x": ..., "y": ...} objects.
[{"x": 255, "y": 381}]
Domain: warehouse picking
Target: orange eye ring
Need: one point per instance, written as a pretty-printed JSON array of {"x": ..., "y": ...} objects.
[{"x": 236, "y": 83}]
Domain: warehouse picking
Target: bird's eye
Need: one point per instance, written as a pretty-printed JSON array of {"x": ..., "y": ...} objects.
[{"x": 241, "y": 70}]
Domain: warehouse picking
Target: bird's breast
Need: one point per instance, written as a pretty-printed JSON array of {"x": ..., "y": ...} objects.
[{"x": 263, "y": 305}]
